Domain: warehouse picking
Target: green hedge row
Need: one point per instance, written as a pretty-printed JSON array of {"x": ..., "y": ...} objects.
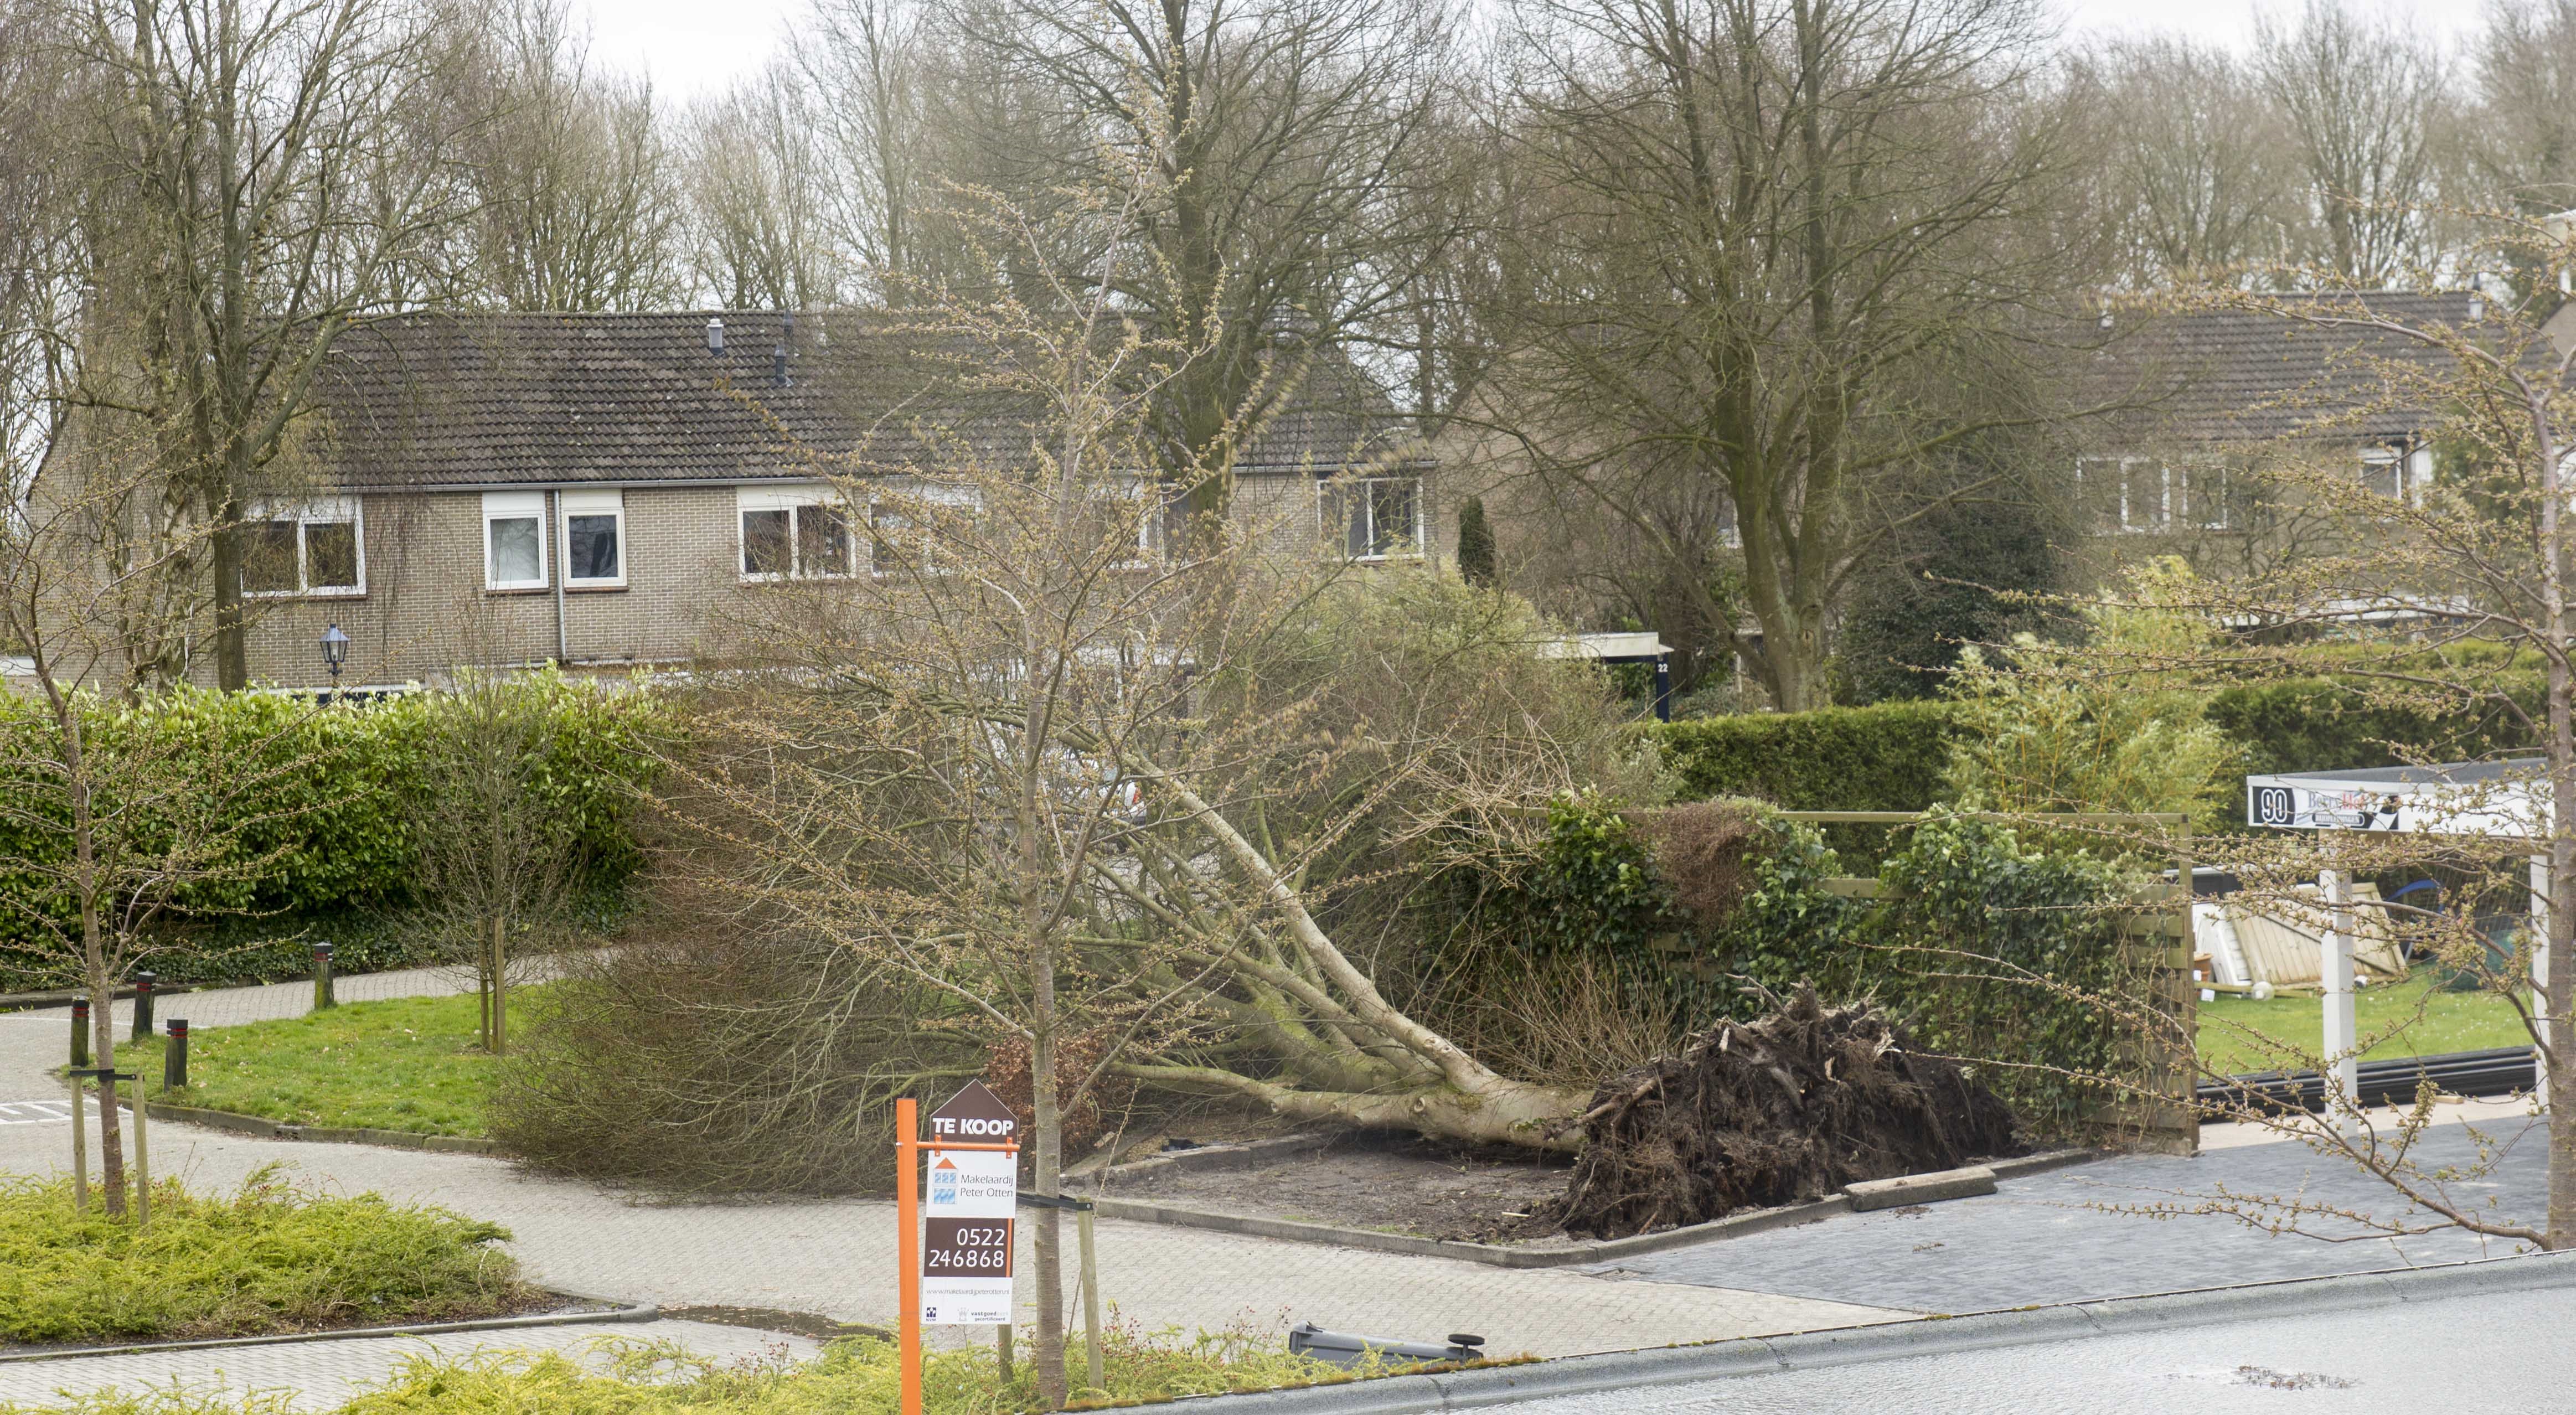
[
  {"x": 339, "y": 805},
  {"x": 1889, "y": 757},
  {"x": 1886, "y": 757}
]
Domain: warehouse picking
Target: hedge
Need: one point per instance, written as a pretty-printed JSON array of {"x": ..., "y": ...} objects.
[
  {"x": 1889, "y": 757},
  {"x": 343, "y": 809},
  {"x": 1886, "y": 757}
]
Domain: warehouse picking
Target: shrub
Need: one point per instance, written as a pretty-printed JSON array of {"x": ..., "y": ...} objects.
[
  {"x": 340, "y": 829},
  {"x": 270, "y": 1258},
  {"x": 1882, "y": 758}
]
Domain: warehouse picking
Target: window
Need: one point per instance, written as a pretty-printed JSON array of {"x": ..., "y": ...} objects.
[
  {"x": 2397, "y": 469},
  {"x": 898, "y": 539},
  {"x": 594, "y": 549},
  {"x": 514, "y": 540},
  {"x": 798, "y": 532},
  {"x": 313, "y": 549},
  {"x": 2148, "y": 495},
  {"x": 1371, "y": 518}
]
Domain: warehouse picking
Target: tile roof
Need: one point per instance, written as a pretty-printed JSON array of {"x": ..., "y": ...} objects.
[
  {"x": 2247, "y": 376},
  {"x": 498, "y": 399}
]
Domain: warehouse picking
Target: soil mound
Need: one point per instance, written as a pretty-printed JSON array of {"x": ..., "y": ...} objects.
[{"x": 1788, "y": 1108}]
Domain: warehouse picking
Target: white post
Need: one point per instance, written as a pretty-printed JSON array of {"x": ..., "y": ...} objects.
[
  {"x": 2537, "y": 940},
  {"x": 2334, "y": 976}
]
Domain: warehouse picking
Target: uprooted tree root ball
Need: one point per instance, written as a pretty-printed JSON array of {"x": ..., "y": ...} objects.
[{"x": 1790, "y": 1107}]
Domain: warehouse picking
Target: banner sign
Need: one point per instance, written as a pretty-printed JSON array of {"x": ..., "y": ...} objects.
[{"x": 968, "y": 1209}]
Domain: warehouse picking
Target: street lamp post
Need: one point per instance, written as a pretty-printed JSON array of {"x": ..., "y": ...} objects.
[{"x": 335, "y": 652}]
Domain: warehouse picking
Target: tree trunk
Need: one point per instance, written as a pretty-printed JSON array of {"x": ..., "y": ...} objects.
[
  {"x": 102, "y": 1050},
  {"x": 232, "y": 645}
]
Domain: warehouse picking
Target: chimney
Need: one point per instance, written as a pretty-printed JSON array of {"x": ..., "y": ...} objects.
[
  {"x": 715, "y": 337},
  {"x": 778, "y": 358},
  {"x": 778, "y": 366}
]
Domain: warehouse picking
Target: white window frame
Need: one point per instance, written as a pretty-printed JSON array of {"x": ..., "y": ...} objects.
[
  {"x": 1354, "y": 491},
  {"x": 323, "y": 511},
  {"x": 794, "y": 500},
  {"x": 2412, "y": 461},
  {"x": 569, "y": 504},
  {"x": 936, "y": 493},
  {"x": 516, "y": 506}
]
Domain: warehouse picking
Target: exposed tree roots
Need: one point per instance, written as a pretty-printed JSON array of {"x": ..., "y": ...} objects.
[{"x": 1787, "y": 1108}]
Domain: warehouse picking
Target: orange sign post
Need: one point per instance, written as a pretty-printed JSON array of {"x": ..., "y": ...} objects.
[
  {"x": 969, "y": 1251},
  {"x": 907, "y": 1201}
]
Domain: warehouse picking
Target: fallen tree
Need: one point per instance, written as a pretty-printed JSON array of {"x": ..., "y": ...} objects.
[{"x": 1790, "y": 1107}]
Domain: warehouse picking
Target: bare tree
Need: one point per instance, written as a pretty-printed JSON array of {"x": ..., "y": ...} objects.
[
  {"x": 1090, "y": 794},
  {"x": 577, "y": 204},
  {"x": 256, "y": 194},
  {"x": 2476, "y": 564},
  {"x": 2197, "y": 172},
  {"x": 870, "y": 55},
  {"x": 761, "y": 191},
  {"x": 1766, "y": 245},
  {"x": 2367, "y": 108},
  {"x": 1294, "y": 135}
]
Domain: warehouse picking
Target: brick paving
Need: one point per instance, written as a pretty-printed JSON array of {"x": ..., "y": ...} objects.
[{"x": 2042, "y": 1239}]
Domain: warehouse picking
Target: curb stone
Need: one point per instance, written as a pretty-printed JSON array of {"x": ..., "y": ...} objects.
[
  {"x": 616, "y": 1311},
  {"x": 1847, "y": 1346},
  {"x": 333, "y": 1135},
  {"x": 1500, "y": 1255}
]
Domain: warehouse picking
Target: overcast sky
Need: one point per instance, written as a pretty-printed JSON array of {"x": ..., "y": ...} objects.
[{"x": 697, "y": 46}]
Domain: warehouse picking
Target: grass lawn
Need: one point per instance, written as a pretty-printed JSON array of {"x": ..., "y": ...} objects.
[
  {"x": 408, "y": 1064},
  {"x": 271, "y": 1258},
  {"x": 2406, "y": 1019}
]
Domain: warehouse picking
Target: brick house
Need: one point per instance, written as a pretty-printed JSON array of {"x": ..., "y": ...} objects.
[
  {"x": 2217, "y": 395},
  {"x": 513, "y": 489}
]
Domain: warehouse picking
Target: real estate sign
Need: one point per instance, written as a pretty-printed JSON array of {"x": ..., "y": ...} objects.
[{"x": 969, "y": 1200}]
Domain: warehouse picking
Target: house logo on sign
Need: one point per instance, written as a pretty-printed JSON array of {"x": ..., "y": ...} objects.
[{"x": 943, "y": 1184}]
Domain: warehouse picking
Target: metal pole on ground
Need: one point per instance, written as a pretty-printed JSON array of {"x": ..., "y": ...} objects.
[
  {"x": 2334, "y": 978},
  {"x": 143, "y": 1005},
  {"x": 323, "y": 998},
  {"x": 907, "y": 1204},
  {"x": 174, "y": 1057}
]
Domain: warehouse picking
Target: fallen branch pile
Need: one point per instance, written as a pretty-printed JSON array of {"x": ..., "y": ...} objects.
[{"x": 1790, "y": 1107}]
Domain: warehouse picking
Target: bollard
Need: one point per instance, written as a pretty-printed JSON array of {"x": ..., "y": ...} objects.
[
  {"x": 322, "y": 997},
  {"x": 174, "y": 1057},
  {"x": 143, "y": 1005},
  {"x": 80, "y": 1033}
]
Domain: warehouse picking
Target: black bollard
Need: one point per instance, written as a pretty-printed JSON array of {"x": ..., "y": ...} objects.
[
  {"x": 322, "y": 997},
  {"x": 174, "y": 1057},
  {"x": 143, "y": 1005},
  {"x": 80, "y": 1033}
]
